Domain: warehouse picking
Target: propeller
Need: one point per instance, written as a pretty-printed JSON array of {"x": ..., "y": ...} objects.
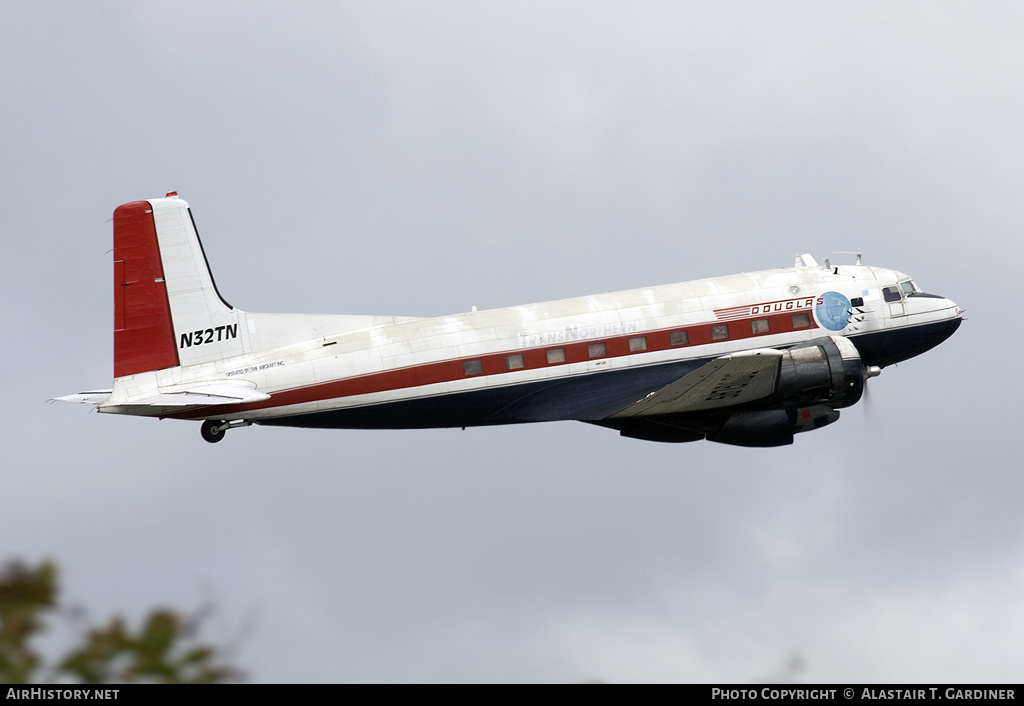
[{"x": 870, "y": 371}]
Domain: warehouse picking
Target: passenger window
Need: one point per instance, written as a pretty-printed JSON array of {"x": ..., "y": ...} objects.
[
  {"x": 761, "y": 326},
  {"x": 514, "y": 362},
  {"x": 596, "y": 350},
  {"x": 678, "y": 338},
  {"x": 473, "y": 367},
  {"x": 802, "y": 320},
  {"x": 556, "y": 355},
  {"x": 638, "y": 344},
  {"x": 891, "y": 294},
  {"x": 719, "y": 333},
  {"x": 857, "y": 301}
]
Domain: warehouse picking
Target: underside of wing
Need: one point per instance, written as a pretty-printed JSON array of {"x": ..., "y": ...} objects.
[{"x": 724, "y": 382}]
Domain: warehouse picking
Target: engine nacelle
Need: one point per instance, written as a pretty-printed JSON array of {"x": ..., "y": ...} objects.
[
  {"x": 771, "y": 427},
  {"x": 815, "y": 379},
  {"x": 656, "y": 430},
  {"x": 823, "y": 371}
]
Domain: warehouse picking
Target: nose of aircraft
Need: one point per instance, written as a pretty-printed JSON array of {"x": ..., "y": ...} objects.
[
  {"x": 948, "y": 326},
  {"x": 954, "y": 316},
  {"x": 949, "y": 309},
  {"x": 924, "y": 308},
  {"x": 929, "y": 320}
]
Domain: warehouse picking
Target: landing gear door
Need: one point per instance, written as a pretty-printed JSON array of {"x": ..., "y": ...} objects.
[{"x": 894, "y": 300}]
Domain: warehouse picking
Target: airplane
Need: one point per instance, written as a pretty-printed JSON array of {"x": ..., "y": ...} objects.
[{"x": 749, "y": 359}]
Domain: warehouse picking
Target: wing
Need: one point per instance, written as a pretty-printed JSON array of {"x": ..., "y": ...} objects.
[{"x": 724, "y": 382}]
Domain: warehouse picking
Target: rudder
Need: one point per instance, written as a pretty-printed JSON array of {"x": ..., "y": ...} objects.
[{"x": 143, "y": 331}]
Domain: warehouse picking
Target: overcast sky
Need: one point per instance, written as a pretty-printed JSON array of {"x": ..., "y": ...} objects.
[{"x": 422, "y": 158}]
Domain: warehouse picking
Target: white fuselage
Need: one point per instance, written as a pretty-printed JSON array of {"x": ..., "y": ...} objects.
[{"x": 315, "y": 364}]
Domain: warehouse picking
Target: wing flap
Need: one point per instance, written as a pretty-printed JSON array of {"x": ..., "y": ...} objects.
[{"x": 724, "y": 382}]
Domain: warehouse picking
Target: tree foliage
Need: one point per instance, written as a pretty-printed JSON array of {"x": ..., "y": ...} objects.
[{"x": 164, "y": 649}]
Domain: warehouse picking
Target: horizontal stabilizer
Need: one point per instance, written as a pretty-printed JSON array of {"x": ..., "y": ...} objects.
[
  {"x": 196, "y": 399},
  {"x": 90, "y": 397},
  {"x": 203, "y": 395},
  {"x": 166, "y": 399}
]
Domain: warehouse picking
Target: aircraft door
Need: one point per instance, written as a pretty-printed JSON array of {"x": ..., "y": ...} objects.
[{"x": 894, "y": 300}]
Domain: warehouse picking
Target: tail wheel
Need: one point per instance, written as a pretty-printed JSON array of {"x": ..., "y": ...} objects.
[{"x": 213, "y": 430}]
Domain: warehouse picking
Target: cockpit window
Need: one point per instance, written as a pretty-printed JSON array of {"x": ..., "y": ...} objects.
[
  {"x": 909, "y": 287},
  {"x": 891, "y": 294}
]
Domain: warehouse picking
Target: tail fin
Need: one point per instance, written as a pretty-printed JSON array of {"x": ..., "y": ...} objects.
[{"x": 167, "y": 311}]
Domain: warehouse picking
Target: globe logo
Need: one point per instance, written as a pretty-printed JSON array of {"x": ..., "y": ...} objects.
[{"x": 833, "y": 311}]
